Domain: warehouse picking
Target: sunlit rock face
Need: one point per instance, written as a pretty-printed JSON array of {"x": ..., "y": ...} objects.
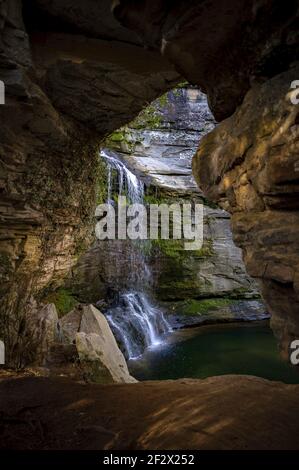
[
  {"x": 249, "y": 164},
  {"x": 160, "y": 143}
]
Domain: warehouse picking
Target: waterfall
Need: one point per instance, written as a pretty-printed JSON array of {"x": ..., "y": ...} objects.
[
  {"x": 128, "y": 183},
  {"x": 136, "y": 323}
]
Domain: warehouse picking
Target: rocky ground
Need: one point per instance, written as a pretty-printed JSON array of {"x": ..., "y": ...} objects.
[{"x": 226, "y": 412}]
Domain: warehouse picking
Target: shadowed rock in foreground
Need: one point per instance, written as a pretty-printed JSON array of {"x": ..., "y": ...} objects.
[{"x": 226, "y": 412}]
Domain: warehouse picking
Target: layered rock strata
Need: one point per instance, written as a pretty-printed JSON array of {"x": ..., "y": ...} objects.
[{"x": 63, "y": 94}]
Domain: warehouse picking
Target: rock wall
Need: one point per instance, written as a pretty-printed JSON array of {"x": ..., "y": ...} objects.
[
  {"x": 64, "y": 93},
  {"x": 249, "y": 165},
  {"x": 222, "y": 46}
]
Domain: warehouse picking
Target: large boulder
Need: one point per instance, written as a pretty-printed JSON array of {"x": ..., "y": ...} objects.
[
  {"x": 102, "y": 360},
  {"x": 100, "y": 357},
  {"x": 70, "y": 324}
]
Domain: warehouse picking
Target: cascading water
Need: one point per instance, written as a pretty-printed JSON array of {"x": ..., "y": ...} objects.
[
  {"x": 128, "y": 183},
  {"x": 135, "y": 322}
]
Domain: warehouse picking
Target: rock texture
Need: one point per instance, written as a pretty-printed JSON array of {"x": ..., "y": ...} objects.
[
  {"x": 47, "y": 331},
  {"x": 219, "y": 413},
  {"x": 249, "y": 165},
  {"x": 214, "y": 311},
  {"x": 159, "y": 145},
  {"x": 100, "y": 358},
  {"x": 222, "y": 46},
  {"x": 216, "y": 270},
  {"x": 64, "y": 93}
]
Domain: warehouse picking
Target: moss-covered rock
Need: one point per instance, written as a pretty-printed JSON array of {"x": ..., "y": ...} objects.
[
  {"x": 193, "y": 312},
  {"x": 63, "y": 300},
  {"x": 204, "y": 306}
]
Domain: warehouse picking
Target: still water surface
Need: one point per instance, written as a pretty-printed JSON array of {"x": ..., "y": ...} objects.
[{"x": 215, "y": 350}]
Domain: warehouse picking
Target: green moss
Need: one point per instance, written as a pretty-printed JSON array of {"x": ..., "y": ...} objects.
[
  {"x": 149, "y": 118},
  {"x": 201, "y": 307},
  {"x": 241, "y": 294},
  {"x": 163, "y": 100},
  {"x": 175, "y": 248},
  {"x": 120, "y": 139},
  {"x": 206, "y": 250},
  {"x": 183, "y": 84},
  {"x": 155, "y": 199},
  {"x": 101, "y": 189},
  {"x": 121, "y": 135},
  {"x": 170, "y": 248},
  {"x": 63, "y": 301},
  {"x": 117, "y": 137}
]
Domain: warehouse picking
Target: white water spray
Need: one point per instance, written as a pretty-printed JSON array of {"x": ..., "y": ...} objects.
[
  {"x": 128, "y": 183},
  {"x": 137, "y": 324}
]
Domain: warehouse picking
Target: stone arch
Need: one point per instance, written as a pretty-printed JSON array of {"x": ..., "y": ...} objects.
[{"x": 73, "y": 74}]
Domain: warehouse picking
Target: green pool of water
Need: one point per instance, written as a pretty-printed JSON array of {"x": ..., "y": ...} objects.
[{"x": 215, "y": 350}]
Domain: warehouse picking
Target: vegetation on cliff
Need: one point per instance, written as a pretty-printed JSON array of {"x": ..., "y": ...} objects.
[{"x": 63, "y": 300}]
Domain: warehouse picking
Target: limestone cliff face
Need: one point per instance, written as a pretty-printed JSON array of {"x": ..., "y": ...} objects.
[
  {"x": 179, "y": 120},
  {"x": 160, "y": 143},
  {"x": 158, "y": 147}
]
